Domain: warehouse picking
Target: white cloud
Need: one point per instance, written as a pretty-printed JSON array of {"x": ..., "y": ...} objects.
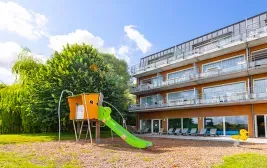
[
  {"x": 9, "y": 52},
  {"x": 123, "y": 53},
  {"x": 142, "y": 43},
  {"x": 25, "y": 23},
  {"x": 123, "y": 50},
  {"x": 79, "y": 36}
]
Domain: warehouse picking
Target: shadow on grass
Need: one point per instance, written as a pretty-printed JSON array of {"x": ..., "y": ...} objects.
[{"x": 43, "y": 137}]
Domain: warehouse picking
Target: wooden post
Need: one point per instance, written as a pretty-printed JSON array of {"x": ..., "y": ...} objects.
[{"x": 97, "y": 131}]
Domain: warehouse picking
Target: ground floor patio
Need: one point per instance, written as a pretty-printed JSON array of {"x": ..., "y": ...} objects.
[
  {"x": 227, "y": 120},
  {"x": 201, "y": 138}
]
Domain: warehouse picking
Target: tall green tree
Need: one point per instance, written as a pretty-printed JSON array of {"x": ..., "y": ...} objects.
[
  {"x": 70, "y": 69},
  {"x": 15, "y": 114}
]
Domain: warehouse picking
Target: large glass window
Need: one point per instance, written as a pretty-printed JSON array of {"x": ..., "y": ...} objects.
[
  {"x": 151, "y": 100},
  {"x": 174, "y": 123},
  {"x": 145, "y": 124},
  {"x": 214, "y": 122},
  {"x": 260, "y": 86},
  {"x": 224, "y": 64},
  {"x": 190, "y": 123},
  {"x": 224, "y": 90},
  {"x": 186, "y": 95},
  {"x": 181, "y": 74},
  {"x": 233, "y": 124}
]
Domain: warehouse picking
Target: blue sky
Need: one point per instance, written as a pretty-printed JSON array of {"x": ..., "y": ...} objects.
[{"x": 129, "y": 29}]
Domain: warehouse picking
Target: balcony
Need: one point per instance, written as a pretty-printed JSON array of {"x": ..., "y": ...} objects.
[
  {"x": 253, "y": 35},
  {"x": 241, "y": 70},
  {"x": 237, "y": 98}
]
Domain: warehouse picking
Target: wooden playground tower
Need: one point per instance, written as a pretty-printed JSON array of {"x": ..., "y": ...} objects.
[{"x": 84, "y": 107}]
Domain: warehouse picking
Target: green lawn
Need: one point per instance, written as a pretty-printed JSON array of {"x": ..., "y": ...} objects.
[
  {"x": 42, "y": 137},
  {"x": 246, "y": 160},
  {"x": 31, "y": 160}
]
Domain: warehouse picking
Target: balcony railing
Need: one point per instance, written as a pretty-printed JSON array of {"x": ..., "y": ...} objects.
[
  {"x": 253, "y": 31},
  {"x": 194, "y": 102},
  {"x": 191, "y": 77}
]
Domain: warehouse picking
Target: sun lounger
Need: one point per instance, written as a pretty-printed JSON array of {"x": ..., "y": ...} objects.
[
  {"x": 203, "y": 132},
  {"x": 193, "y": 131},
  {"x": 184, "y": 131},
  {"x": 145, "y": 131},
  {"x": 170, "y": 131},
  {"x": 177, "y": 131},
  {"x": 213, "y": 132},
  {"x": 139, "y": 131}
]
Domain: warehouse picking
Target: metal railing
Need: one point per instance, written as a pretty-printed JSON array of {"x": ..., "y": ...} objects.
[
  {"x": 252, "y": 31},
  {"x": 196, "y": 101},
  {"x": 190, "y": 77}
]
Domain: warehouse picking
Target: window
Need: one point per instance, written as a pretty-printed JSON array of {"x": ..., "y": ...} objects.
[
  {"x": 224, "y": 64},
  {"x": 226, "y": 89},
  {"x": 187, "y": 95},
  {"x": 233, "y": 124},
  {"x": 151, "y": 100},
  {"x": 145, "y": 124},
  {"x": 260, "y": 86},
  {"x": 190, "y": 123},
  {"x": 214, "y": 122},
  {"x": 175, "y": 123},
  {"x": 181, "y": 74}
]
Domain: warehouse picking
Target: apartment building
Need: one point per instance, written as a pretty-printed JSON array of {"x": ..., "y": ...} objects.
[{"x": 218, "y": 80}]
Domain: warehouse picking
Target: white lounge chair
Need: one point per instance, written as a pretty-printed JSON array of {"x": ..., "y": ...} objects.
[
  {"x": 177, "y": 131},
  {"x": 184, "y": 131},
  {"x": 193, "y": 131},
  {"x": 213, "y": 132},
  {"x": 170, "y": 131},
  {"x": 203, "y": 132}
]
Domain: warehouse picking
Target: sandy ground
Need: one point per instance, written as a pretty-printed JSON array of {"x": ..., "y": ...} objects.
[{"x": 116, "y": 153}]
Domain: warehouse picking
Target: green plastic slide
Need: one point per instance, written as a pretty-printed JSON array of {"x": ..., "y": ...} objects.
[{"x": 104, "y": 116}]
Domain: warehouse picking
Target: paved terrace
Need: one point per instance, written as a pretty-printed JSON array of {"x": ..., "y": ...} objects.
[{"x": 201, "y": 138}]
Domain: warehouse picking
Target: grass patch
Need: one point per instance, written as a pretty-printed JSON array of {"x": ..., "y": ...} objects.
[
  {"x": 41, "y": 137},
  {"x": 246, "y": 160},
  {"x": 12, "y": 160}
]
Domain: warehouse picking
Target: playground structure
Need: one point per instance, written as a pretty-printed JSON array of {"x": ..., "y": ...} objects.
[
  {"x": 243, "y": 135},
  {"x": 88, "y": 107}
]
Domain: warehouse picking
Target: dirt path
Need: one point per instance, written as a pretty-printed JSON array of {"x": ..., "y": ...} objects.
[{"x": 116, "y": 153}]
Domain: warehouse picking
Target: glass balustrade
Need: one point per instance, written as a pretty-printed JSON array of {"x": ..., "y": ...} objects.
[{"x": 252, "y": 31}]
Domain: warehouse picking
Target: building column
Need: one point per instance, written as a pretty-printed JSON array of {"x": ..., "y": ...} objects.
[{"x": 200, "y": 123}]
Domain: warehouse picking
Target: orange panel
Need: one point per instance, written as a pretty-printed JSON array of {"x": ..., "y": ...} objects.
[
  {"x": 91, "y": 101},
  {"x": 73, "y": 101}
]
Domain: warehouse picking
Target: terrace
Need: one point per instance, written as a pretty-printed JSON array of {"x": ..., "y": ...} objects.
[
  {"x": 192, "y": 78},
  {"x": 215, "y": 96},
  {"x": 247, "y": 33}
]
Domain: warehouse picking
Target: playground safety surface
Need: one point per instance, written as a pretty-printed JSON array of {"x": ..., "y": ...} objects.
[{"x": 116, "y": 153}]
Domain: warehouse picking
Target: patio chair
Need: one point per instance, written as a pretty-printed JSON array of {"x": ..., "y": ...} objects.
[
  {"x": 170, "y": 131},
  {"x": 213, "y": 132},
  {"x": 139, "y": 131},
  {"x": 177, "y": 131},
  {"x": 193, "y": 131},
  {"x": 184, "y": 131},
  {"x": 161, "y": 131},
  {"x": 145, "y": 131},
  {"x": 203, "y": 132}
]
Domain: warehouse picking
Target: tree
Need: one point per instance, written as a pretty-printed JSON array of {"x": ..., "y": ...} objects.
[
  {"x": 70, "y": 69},
  {"x": 14, "y": 100}
]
